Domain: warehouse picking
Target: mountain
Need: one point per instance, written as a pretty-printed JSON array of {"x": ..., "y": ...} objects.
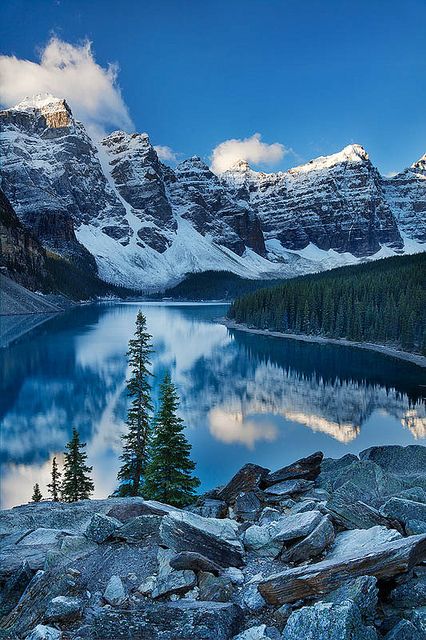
[{"x": 115, "y": 210}]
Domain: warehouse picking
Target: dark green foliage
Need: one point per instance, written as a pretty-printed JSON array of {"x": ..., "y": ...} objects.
[
  {"x": 36, "y": 493},
  {"x": 168, "y": 476},
  {"x": 77, "y": 484},
  {"x": 214, "y": 285},
  {"x": 135, "y": 441},
  {"x": 380, "y": 302},
  {"x": 55, "y": 485}
]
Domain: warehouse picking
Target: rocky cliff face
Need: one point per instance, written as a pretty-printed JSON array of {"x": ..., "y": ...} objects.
[
  {"x": 116, "y": 208},
  {"x": 334, "y": 202}
]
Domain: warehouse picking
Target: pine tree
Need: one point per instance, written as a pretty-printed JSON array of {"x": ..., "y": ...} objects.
[
  {"x": 135, "y": 441},
  {"x": 77, "y": 484},
  {"x": 36, "y": 493},
  {"x": 55, "y": 485},
  {"x": 168, "y": 476}
]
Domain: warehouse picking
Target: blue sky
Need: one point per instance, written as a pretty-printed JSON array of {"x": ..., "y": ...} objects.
[{"x": 313, "y": 76}]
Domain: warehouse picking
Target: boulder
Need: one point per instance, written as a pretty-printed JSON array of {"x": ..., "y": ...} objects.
[
  {"x": 305, "y": 468},
  {"x": 140, "y": 528},
  {"x": 147, "y": 586},
  {"x": 235, "y": 575},
  {"x": 128, "y": 508},
  {"x": 410, "y": 594},
  {"x": 305, "y": 505},
  {"x": 362, "y": 591},
  {"x": 115, "y": 593},
  {"x": 101, "y": 527},
  {"x": 418, "y": 618},
  {"x": 210, "y": 508},
  {"x": 415, "y": 527},
  {"x": 408, "y": 463},
  {"x": 269, "y": 515},
  {"x": 380, "y": 560},
  {"x": 313, "y": 545},
  {"x": 250, "y": 597},
  {"x": 179, "y": 620},
  {"x": 215, "y": 539},
  {"x": 289, "y": 488},
  {"x": 331, "y": 468},
  {"x": 246, "y": 479},
  {"x": 370, "y": 479},
  {"x": 361, "y": 541},
  {"x": 170, "y": 580},
  {"x": 14, "y": 587},
  {"x": 42, "y": 632},
  {"x": 404, "y": 630},
  {"x": 194, "y": 561},
  {"x": 404, "y": 510},
  {"x": 328, "y": 621},
  {"x": 268, "y": 540},
  {"x": 254, "y": 633},
  {"x": 247, "y": 506},
  {"x": 348, "y": 509},
  {"x": 63, "y": 609},
  {"x": 215, "y": 588}
]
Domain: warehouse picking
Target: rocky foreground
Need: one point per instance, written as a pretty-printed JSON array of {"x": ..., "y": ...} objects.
[{"x": 319, "y": 550}]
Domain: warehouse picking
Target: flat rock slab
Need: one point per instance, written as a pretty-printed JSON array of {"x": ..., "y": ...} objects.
[
  {"x": 269, "y": 539},
  {"x": 361, "y": 541},
  {"x": 167, "y": 621},
  {"x": 313, "y": 545},
  {"x": 305, "y": 468},
  {"x": 289, "y": 488},
  {"x": 386, "y": 560},
  {"x": 140, "y": 528},
  {"x": 246, "y": 479},
  {"x": 195, "y": 562},
  {"x": 215, "y": 539},
  {"x": 129, "y": 510},
  {"x": 404, "y": 510}
]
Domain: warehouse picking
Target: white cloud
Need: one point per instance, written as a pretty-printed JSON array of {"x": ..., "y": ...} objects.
[
  {"x": 166, "y": 153},
  {"x": 252, "y": 150},
  {"x": 71, "y": 72},
  {"x": 231, "y": 427}
]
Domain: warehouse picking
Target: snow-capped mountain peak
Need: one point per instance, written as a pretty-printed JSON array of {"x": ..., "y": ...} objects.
[{"x": 55, "y": 111}]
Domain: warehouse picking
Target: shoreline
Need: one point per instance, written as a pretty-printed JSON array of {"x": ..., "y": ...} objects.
[{"x": 413, "y": 358}]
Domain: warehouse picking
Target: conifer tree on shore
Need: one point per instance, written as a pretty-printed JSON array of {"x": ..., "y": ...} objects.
[
  {"x": 77, "y": 484},
  {"x": 55, "y": 485},
  {"x": 135, "y": 441},
  {"x": 36, "y": 497},
  {"x": 168, "y": 476}
]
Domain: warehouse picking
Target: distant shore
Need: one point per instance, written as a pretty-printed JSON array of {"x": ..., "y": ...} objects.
[{"x": 414, "y": 358}]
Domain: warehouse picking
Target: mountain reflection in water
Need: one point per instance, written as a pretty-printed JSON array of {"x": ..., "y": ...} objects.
[{"x": 244, "y": 397}]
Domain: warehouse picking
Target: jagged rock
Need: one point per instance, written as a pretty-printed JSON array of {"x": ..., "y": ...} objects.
[
  {"x": 305, "y": 468},
  {"x": 404, "y": 630},
  {"x": 380, "y": 560},
  {"x": 147, "y": 586},
  {"x": 63, "y": 609},
  {"x": 361, "y": 540},
  {"x": 247, "y": 479},
  {"x": 14, "y": 587},
  {"x": 331, "y": 468},
  {"x": 76, "y": 546},
  {"x": 362, "y": 591},
  {"x": 42, "y": 632},
  {"x": 195, "y": 562},
  {"x": 254, "y": 633},
  {"x": 407, "y": 462},
  {"x": 281, "y": 615},
  {"x": 235, "y": 575},
  {"x": 115, "y": 593},
  {"x": 210, "y": 508},
  {"x": 126, "y": 509},
  {"x": 170, "y": 580},
  {"x": 415, "y": 527},
  {"x": 268, "y": 540},
  {"x": 268, "y": 515},
  {"x": 404, "y": 510},
  {"x": 313, "y": 545},
  {"x": 418, "y": 494},
  {"x": 215, "y": 539},
  {"x": 167, "y": 621},
  {"x": 140, "y": 528},
  {"x": 213, "y": 588},
  {"x": 371, "y": 479},
  {"x": 410, "y": 594},
  {"x": 102, "y": 527},
  {"x": 327, "y": 621},
  {"x": 247, "y": 506},
  {"x": 251, "y": 598},
  {"x": 418, "y": 618},
  {"x": 305, "y": 505},
  {"x": 289, "y": 488}
]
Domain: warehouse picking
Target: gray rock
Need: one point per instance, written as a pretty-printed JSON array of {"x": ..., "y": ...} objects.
[
  {"x": 125, "y": 509},
  {"x": 410, "y": 594},
  {"x": 415, "y": 527},
  {"x": 281, "y": 615},
  {"x": 14, "y": 587},
  {"x": 235, "y": 575},
  {"x": 418, "y": 618},
  {"x": 268, "y": 540},
  {"x": 348, "y": 509},
  {"x": 213, "y": 538},
  {"x": 269, "y": 515},
  {"x": 289, "y": 488},
  {"x": 167, "y": 621},
  {"x": 42, "y": 632},
  {"x": 404, "y": 510},
  {"x": 362, "y": 591},
  {"x": 195, "y": 562},
  {"x": 305, "y": 468},
  {"x": 331, "y": 468},
  {"x": 327, "y": 621},
  {"x": 170, "y": 580},
  {"x": 102, "y": 527},
  {"x": 251, "y": 598},
  {"x": 408, "y": 463},
  {"x": 304, "y": 505},
  {"x": 140, "y": 528},
  {"x": 254, "y": 633},
  {"x": 215, "y": 588},
  {"x": 246, "y": 479},
  {"x": 313, "y": 545},
  {"x": 361, "y": 541},
  {"x": 404, "y": 630},
  {"x": 42, "y": 536},
  {"x": 247, "y": 506},
  {"x": 115, "y": 593},
  {"x": 374, "y": 482},
  {"x": 418, "y": 494},
  {"x": 147, "y": 586},
  {"x": 210, "y": 508},
  {"x": 63, "y": 609}
]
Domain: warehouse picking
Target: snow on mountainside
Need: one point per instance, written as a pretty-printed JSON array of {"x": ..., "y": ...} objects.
[{"x": 116, "y": 208}]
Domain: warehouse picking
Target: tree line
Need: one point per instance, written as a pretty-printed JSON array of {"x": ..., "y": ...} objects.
[
  {"x": 156, "y": 461},
  {"x": 382, "y": 302}
]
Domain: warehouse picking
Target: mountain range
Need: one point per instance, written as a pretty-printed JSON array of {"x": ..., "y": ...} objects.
[{"x": 115, "y": 211}]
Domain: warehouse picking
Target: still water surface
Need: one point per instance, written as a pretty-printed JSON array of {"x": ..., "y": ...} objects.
[{"x": 245, "y": 398}]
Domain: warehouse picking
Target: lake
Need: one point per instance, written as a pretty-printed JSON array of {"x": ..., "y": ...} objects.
[{"x": 244, "y": 397}]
